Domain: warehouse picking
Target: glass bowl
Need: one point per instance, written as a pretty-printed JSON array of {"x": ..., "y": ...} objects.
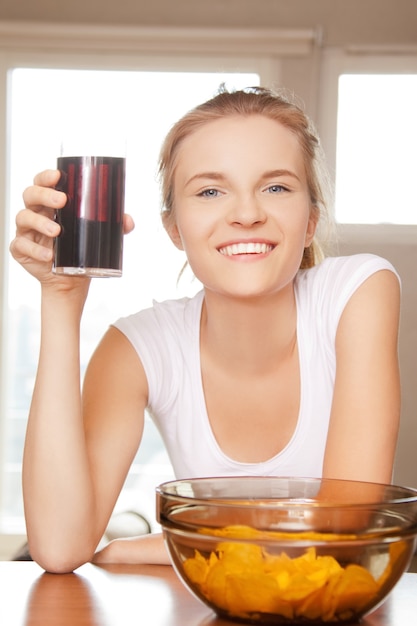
[{"x": 268, "y": 550}]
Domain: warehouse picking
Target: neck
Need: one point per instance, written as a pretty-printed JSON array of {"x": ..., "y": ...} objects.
[{"x": 252, "y": 334}]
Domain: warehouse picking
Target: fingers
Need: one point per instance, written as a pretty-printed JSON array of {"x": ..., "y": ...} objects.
[
  {"x": 38, "y": 197},
  {"x": 25, "y": 250},
  {"x": 47, "y": 178},
  {"x": 34, "y": 236},
  {"x": 36, "y": 222},
  {"x": 35, "y": 225},
  {"x": 128, "y": 223}
]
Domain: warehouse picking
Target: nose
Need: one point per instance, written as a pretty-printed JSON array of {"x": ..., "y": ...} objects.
[{"x": 246, "y": 210}]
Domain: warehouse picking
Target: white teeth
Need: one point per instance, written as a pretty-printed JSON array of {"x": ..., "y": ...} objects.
[{"x": 246, "y": 248}]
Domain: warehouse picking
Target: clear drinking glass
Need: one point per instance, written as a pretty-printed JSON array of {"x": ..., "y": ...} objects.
[{"x": 93, "y": 177}]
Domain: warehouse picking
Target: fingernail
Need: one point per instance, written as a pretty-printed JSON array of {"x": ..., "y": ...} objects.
[
  {"x": 57, "y": 198},
  {"x": 46, "y": 255},
  {"x": 52, "y": 228}
]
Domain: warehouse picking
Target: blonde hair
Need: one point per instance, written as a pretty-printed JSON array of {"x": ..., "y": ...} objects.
[{"x": 276, "y": 106}]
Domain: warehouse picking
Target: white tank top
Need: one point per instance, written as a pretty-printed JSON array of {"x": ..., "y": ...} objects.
[{"x": 166, "y": 338}]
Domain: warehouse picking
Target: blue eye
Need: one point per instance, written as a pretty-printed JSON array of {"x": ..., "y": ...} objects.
[
  {"x": 209, "y": 193},
  {"x": 276, "y": 189}
]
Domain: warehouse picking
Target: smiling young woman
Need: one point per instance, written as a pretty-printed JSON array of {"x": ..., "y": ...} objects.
[
  {"x": 285, "y": 363},
  {"x": 254, "y": 193}
]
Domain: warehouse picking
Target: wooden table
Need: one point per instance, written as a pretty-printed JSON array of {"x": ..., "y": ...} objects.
[{"x": 127, "y": 595}]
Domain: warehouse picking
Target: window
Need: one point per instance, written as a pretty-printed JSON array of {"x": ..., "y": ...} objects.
[
  {"x": 375, "y": 158},
  {"x": 142, "y": 106},
  {"x": 368, "y": 128}
]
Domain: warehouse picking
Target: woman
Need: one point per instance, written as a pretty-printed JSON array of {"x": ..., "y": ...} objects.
[{"x": 283, "y": 364}]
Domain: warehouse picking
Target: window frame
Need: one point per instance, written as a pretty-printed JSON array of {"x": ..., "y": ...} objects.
[{"x": 360, "y": 60}]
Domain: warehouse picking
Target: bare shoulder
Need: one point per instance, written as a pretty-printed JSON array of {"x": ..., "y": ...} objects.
[
  {"x": 374, "y": 309},
  {"x": 116, "y": 369},
  {"x": 116, "y": 349},
  {"x": 384, "y": 281},
  {"x": 379, "y": 291}
]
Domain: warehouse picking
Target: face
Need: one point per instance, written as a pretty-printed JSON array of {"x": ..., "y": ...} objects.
[{"x": 242, "y": 207}]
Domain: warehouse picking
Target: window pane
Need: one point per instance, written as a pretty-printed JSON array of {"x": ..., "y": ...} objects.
[
  {"x": 376, "y": 138},
  {"x": 142, "y": 106}
]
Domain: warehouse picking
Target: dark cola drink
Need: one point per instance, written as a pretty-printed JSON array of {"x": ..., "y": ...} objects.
[{"x": 91, "y": 238}]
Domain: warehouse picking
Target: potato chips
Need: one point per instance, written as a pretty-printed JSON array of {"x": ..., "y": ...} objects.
[{"x": 244, "y": 580}]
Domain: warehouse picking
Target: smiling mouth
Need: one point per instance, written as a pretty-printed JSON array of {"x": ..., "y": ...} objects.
[{"x": 246, "y": 248}]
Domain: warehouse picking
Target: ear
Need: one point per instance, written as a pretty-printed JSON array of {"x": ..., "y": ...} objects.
[
  {"x": 311, "y": 226},
  {"x": 171, "y": 228}
]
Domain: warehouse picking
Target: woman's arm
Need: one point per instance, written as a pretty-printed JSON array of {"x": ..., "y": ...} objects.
[
  {"x": 77, "y": 451},
  {"x": 366, "y": 406}
]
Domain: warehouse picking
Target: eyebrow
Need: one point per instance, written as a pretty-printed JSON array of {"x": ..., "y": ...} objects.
[
  {"x": 218, "y": 176},
  {"x": 206, "y": 175},
  {"x": 279, "y": 173}
]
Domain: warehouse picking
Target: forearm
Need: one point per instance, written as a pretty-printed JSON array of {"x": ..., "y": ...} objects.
[
  {"x": 57, "y": 485},
  {"x": 149, "y": 549}
]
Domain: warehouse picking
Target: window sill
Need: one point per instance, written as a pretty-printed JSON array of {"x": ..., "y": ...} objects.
[{"x": 10, "y": 544}]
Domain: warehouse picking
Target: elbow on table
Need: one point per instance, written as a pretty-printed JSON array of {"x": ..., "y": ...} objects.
[{"x": 58, "y": 560}]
